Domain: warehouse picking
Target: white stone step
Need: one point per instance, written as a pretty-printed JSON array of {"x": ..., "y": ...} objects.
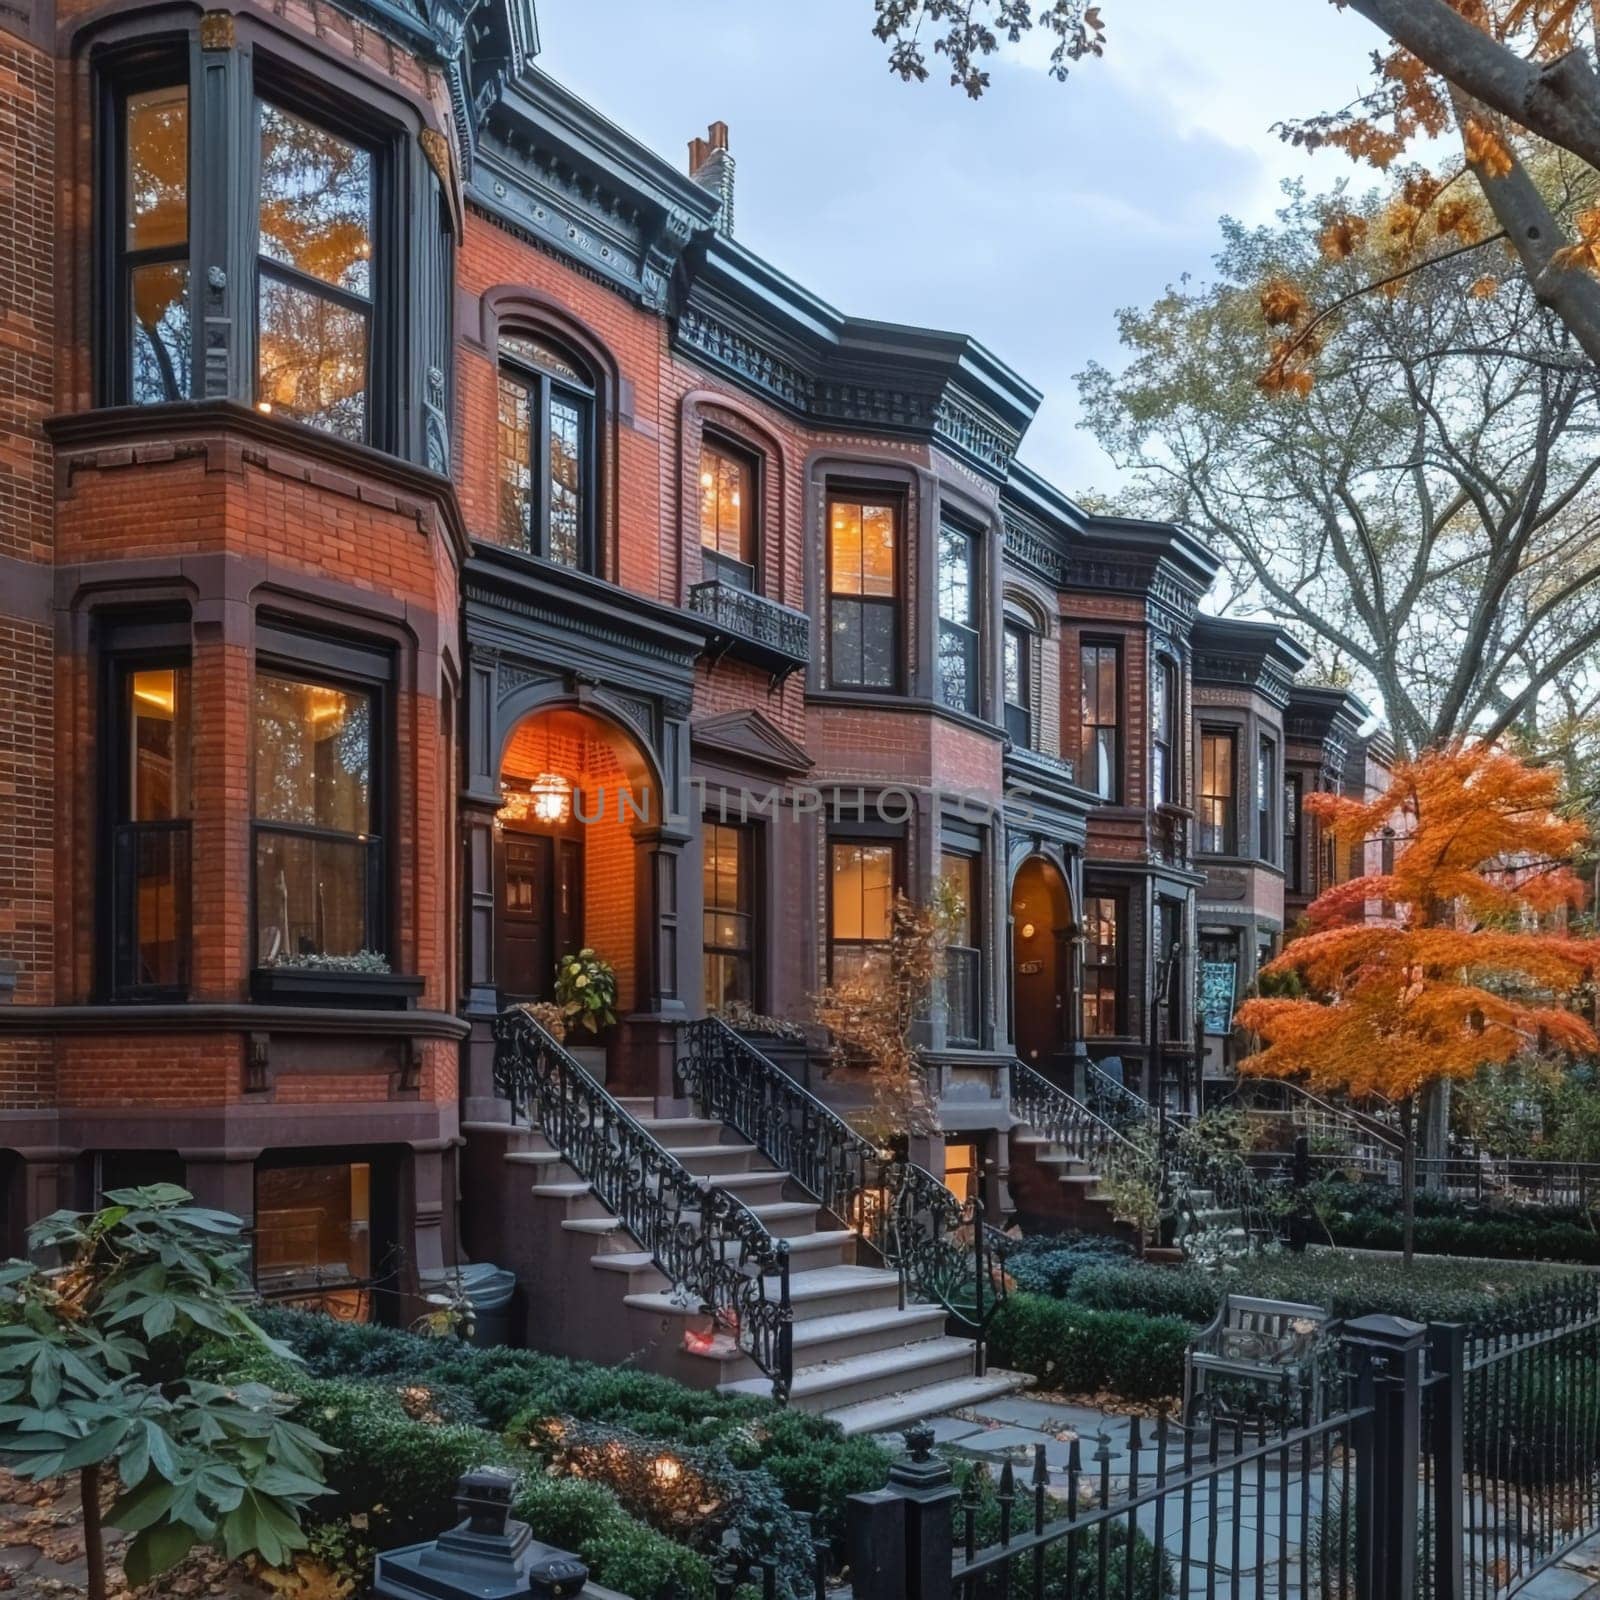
[
  {"x": 834, "y": 1247},
  {"x": 829, "y": 1385},
  {"x": 744, "y": 1184},
  {"x": 719, "y": 1158},
  {"x": 681, "y": 1132},
  {"x": 535, "y": 1158},
  {"x": 901, "y": 1409},
  {"x": 852, "y": 1333}
]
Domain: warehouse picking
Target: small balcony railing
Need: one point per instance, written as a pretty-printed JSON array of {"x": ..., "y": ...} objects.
[
  {"x": 751, "y": 627},
  {"x": 150, "y": 916}
]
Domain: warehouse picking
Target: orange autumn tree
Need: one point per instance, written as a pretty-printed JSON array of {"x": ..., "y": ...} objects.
[{"x": 1461, "y": 976}]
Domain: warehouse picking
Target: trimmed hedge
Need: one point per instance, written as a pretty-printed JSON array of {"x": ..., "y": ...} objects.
[
  {"x": 1497, "y": 1238},
  {"x": 1047, "y": 1263},
  {"x": 1350, "y": 1286},
  {"x": 1073, "y": 1348}
]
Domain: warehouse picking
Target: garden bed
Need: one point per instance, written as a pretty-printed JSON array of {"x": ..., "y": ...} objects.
[{"x": 637, "y": 1475}]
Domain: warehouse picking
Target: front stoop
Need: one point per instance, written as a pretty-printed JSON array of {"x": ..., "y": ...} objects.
[{"x": 860, "y": 1359}]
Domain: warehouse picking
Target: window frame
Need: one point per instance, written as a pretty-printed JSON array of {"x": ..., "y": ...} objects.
[
  {"x": 895, "y": 500},
  {"x": 131, "y": 72},
  {"x": 1089, "y": 742},
  {"x": 1116, "y": 967},
  {"x": 541, "y": 385},
  {"x": 1163, "y": 727},
  {"x": 896, "y": 847},
  {"x": 969, "y": 632},
  {"x": 1228, "y": 839},
  {"x": 1024, "y": 636},
  {"x": 1268, "y": 786},
  {"x": 972, "y": 856},
  {"x": 713, "y": 563},
  {"x": 119, "y": 665},
  {"x": 289, "y": 93},
  {"x": 751, "y": 909},
  {"x": 282, "y": 651},
  {"x": 1293, "y": 845}
]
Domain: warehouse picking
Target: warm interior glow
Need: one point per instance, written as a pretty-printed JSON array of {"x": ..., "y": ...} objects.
[{"x": 1027, "y": 930}]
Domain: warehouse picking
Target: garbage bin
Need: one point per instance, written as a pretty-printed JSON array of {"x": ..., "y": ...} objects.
[{"x": 488, "y": 1290}]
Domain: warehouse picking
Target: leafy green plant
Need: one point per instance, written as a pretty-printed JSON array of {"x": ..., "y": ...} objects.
[
  {"x": 586, "y": 990},
  {"x": 1079, "y": 1350},
  {"x": 370, "y": 961},
  {"x": 94, "y": 1380}
]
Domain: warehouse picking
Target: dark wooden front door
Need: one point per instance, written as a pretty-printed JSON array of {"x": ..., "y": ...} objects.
[{"x": 527, "y": 957}]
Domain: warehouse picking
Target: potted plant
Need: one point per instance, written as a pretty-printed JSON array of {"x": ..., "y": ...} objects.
[
  {"x": 586, "y": 996},
  {"x": 362, "y": 979}
]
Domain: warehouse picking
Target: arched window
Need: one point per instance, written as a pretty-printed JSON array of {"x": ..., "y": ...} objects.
[{"x": 547, "y": 452}]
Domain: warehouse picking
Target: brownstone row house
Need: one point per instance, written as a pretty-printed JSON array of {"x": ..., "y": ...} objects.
[{"x": 431, "y": 544}]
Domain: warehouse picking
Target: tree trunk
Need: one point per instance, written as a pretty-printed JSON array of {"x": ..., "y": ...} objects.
[
  {"x": 94, "y": 1550},
  {"x": 1408, "y": 1177},
  {"x": 1433, "y": 1134}
]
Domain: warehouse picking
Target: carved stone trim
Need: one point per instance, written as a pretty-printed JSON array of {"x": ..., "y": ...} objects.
[
  {"x": 437, "y": 149},
  {"x": 217, "y": 30}
]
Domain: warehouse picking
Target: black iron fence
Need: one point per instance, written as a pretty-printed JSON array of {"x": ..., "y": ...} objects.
[{"x": 1441, "y": 1463}]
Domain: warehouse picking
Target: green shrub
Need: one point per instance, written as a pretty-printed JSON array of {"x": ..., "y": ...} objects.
[
  {"x": 1073, "y": 1348},
  {"x": 1046, "y": 1264},
  {"x": 1494, "y": 1237},
  {"x": 1192, "y": 1293},
  {"x": 587, "y": 1519}
]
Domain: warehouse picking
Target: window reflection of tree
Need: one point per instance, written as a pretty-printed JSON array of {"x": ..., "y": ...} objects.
[{"x": 155, "y": 243}]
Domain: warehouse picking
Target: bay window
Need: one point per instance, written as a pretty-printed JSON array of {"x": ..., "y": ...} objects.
[
  {"x": 1218, "y": 832},
  {"x": 863, "y": 592},
  {"x": 959, "y": 633},
  {"x": 1100, "y": 669},
  {"x": 318, "y": 856},
  {"x": 155, "y": 360},
  {"x": 546, "y": 452},
  {"x": 963, "y": 956},
  {"x": 151, "y": 800},
  {"x": 861, "y": 884},
  {"x": 314, "y": 274},
  {"x": 1266, "y": 794},
  {"x": 727, "y": 515}
]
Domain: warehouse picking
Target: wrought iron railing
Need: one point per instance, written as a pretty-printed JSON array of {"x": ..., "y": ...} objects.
[
  {"x": 743, "y": 617},
  {"x": 1112, "y": 1100},
  {"x": 1190, "y": 1166},
  {"x": 1083, "y": 1133},
  {"x": 941, "y": 1247},
  {"x": 1363, "y": 1139},
  {"x": 708, "y": 1242}
]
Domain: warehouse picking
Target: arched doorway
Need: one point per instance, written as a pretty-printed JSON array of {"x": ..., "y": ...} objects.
[
  {"x": 1041, "y": 963},
  {"x": 578, "y": 799}
]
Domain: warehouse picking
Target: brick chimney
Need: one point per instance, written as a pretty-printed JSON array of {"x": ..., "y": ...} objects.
[{"x": 711, "y": 167}]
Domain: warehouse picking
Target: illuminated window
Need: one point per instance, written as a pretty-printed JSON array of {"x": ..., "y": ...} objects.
[
  {"x": 313, "y": 1226},
  {"x": 961, "y": 1170},
  {"x": 1218, "y": 833},
  {"x": 1100, "y": 667},
  {"x": 546, "y": 453},
  {"x": 1102, "y": 966},
  {"x": 314, "y": 275},
  {"x": 729, "y": 922},
  {"x": 150, "y": 836},
  {"x": 861, "y": 909},
  {"x": 153, "y": 249},
  {"x": 863, "y": 593},
  {"x": 963, "y": 958},
  {"x": 317, "y": 855},
  {"x": 727, "y": 516}
]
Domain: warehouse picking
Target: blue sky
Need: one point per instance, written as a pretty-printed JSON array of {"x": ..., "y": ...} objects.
[{"x": 1025, "y": 219}]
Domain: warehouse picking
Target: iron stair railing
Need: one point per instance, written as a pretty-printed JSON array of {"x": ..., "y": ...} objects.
[
  {"x": 1112, "y": 1100},
  {"x": 1086, "y": 1135},
  {"x": 708, "y": 1243},
  {"x": 941, "y": 1247}
]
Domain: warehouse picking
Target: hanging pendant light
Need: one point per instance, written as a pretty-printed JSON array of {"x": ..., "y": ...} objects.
[{"x": 547, "y": 799}]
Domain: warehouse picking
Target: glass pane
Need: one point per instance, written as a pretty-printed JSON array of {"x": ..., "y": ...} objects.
[
  {"x": 516, "y": 464},
  {"x": 158, "y": 168},
  {"x": 961, "y": 994},
  {"x": 1106, "y": 698},
  {"x": 955, "y": 576},
  {"x": 877, "y": 646},
  {"x": 1158, "y": 772},
  {"x": 877, "y": 551},
  {"x": 313, "y": 754},
  {"x": 160, "y": 890},
  {"x": 566, "y": 480},
  {"x": 1158, "y": 701},
  {"x": 960, "y": 878},
  {"x": 159, "y": 332},
  {"x": 863, "y": 890},
  {"x": 1103, "y": 762},
  {"x": 855, "y": 964},
  {"x": 727, "y": 980},
  {"x": 540, "y": 355},
  {"x": 313, "y": 1222},
  {"x": 312, "y": 358},
  {"x": 158, "y": 744},
  {"x": 1015, "y": 691},
  {"x": 844, "y": 647},
  {"x": 958, "y": 666},
  {"x": 316, "y": 201},
  {"x": 724, "y": 506},
  {"x": 845, "y": 537},
  {"x": 311, "y": 896}
]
